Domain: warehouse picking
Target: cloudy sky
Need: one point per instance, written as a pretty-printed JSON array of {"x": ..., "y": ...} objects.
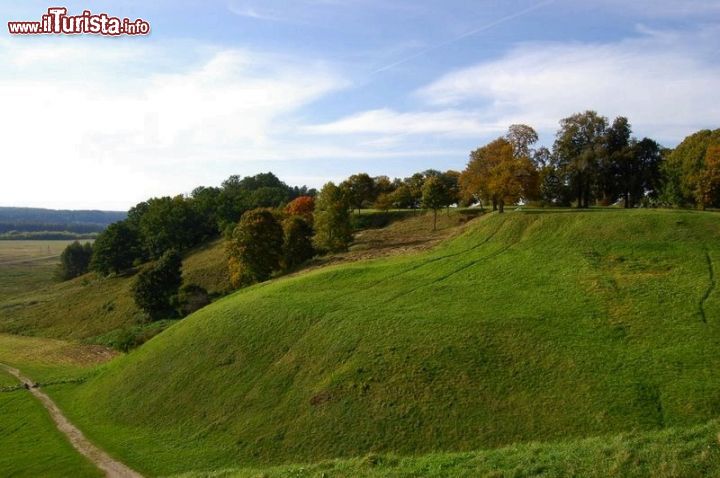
[{"x": 315, "y": 90}]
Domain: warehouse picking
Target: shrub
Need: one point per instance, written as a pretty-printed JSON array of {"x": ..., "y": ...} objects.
[{"x": 191, "y": 298}]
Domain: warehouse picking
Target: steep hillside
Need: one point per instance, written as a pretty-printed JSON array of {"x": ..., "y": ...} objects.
[
  {"x": 529, "y": 326},
  {"x": 96, "y": 309}
]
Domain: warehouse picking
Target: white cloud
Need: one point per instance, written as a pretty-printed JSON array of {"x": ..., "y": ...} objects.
[
  {"x": 77, "y": 130},
  {"x": 668, "y": 84},
  {"x": 387, "y": 121}
]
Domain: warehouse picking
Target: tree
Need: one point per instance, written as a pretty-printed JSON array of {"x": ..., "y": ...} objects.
[
  {"x": 297, "y": 247},
  {"x": 301, "y": 206},
  {"x": 115, "y": 249},
  {"x": 434, "y": 196},
  {"x": 403, "y": 197},
  {"x": 360, "y": 189},
  {"x": 616, "y": 156},
  {"x": 637, "y": 171},
  {"x": 157, "y": 286},
  {"x": 333, "y": 231},
  {"x": 384, "y": 202},
  {"x": 707, "y": 180},
  {"x": 451, "y": 187},
  {"x": 522, "y": 137},
  {"x": 474, "y": 180},
  {"x": 685, "y": 166},
  {"x": 170, "y": 223},
  {"x": 496, "y": 172},
  {"x": 255, "y": 247},
  {"x": 75, "y": 260},
  {"x": 414, "y": 185},
  {"x": 578, "y": 145}
]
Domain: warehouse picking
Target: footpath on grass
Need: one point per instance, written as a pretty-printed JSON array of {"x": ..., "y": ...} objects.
[{"x": 111, "y": 467}]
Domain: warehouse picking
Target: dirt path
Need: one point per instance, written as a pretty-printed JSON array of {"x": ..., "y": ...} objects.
[{"x": 111, "y": 467}]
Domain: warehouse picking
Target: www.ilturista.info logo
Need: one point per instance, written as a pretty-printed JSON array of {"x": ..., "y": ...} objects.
[{"x": 58, "y": 22}]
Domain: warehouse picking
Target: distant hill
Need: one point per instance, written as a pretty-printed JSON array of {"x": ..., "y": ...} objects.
[{"x": 25, "y": 220}]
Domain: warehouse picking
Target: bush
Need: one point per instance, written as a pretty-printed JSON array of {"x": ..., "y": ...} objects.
[
  {"x": 156, "y": 287},
  {"x": 75, "y": 260},
  {"x": 191, "y": 298}
]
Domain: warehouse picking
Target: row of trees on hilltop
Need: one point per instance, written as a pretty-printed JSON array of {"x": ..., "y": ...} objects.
[{"x": 593, "y": 161}]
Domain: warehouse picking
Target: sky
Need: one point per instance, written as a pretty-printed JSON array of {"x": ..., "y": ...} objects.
[{"x": 316, "y": 90}]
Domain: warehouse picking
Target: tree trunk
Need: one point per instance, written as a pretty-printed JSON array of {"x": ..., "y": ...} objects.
[
  {"x": 501, "y": 205},
  {"x": 580, "y": 194},
  {"x": 434, "y": 219},
  {"x": 495, "y": 204},
  {"x": 627, "y": 200}
]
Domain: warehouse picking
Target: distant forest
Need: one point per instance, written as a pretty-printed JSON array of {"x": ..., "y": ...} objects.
[{"x": 35, "y": 223}]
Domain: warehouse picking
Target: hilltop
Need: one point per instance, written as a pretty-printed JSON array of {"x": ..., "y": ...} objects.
[{"x": 529, "y": 326}]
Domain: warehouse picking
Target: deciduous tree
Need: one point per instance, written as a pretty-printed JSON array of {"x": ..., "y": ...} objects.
[
  {"x": 333, "y": 231},
  {"x": 255, "y": 247}
]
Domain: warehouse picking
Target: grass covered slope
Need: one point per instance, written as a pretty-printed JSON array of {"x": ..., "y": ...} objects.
[
  {"x": 91, "y": 307},
  {"x": 689, "y": 452},
  {"x": 31, "y": 444},
  {"x": 529, "y": 326}
]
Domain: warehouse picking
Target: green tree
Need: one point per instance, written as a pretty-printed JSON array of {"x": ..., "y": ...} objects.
[
  {"x": 298, "y": 246},
  {"x": 360, "y": 190},
  {"x": 384, "y": 202},
  {"x": 333, "y": 231},
  {"x": 637, "y": 171},
  {"x": 434, "y": 196},
  {"x": 116, "y": 249},
  {"x": 157, "y": 286},
  {"x": 170, "y": 223},
  {"x": 578, "y": 145},
  {"x": 75, "y": 260},
  {"x": 255, "y": 247},
  {"x": 615, "y": 161}
]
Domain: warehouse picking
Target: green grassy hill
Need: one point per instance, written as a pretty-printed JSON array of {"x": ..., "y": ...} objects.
[
  {"x": 529, "y": 326},
  {"x": 97, "y": 309}
]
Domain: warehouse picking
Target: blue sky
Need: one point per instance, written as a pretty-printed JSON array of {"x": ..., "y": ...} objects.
[{"x": 315, "y": 90}]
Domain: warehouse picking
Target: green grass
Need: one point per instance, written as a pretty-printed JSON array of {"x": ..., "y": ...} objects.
[
  {"x": 92, "y": 308},
  {"x": 28, "y": 265},
  {"x": 677, "y": 453},
  {"x": 532, "y": 326},
  {"x": 30, "y": 444},
  {"x": 49, "y": 360}
]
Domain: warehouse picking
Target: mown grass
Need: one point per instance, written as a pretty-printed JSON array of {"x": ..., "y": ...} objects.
[
  {"x": 530, "y": 326},
  {"x": 28, "y": 265},
  {"x": 677, "y": 453},
  {"x": 30, "y": 444}
]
